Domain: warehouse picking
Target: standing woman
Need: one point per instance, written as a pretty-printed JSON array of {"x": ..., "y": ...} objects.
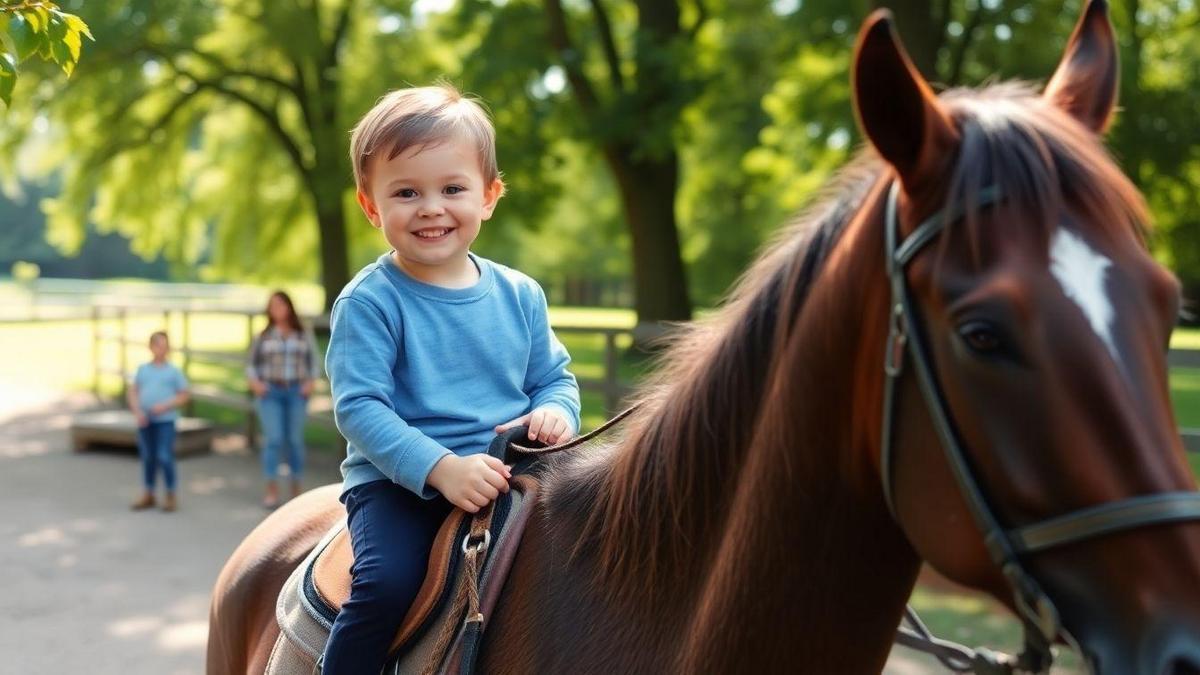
[{"x": 281, "y": 368}]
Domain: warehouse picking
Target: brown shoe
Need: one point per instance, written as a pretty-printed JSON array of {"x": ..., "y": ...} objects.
[
  {"x": 146, "y": 502},
  {"x": 270, "y": 500},
  {"x": 169, "y": 503}
]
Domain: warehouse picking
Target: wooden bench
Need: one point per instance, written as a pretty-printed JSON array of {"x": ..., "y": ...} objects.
[{"x": 117, "y": 428}]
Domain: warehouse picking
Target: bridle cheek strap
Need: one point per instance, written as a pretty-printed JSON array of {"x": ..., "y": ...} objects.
[{"x": 1037, "y": 612}]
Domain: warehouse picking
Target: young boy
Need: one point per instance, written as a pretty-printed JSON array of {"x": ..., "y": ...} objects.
[
  {"x": 154, "y": 396},
  {"x": 433, "y": 351}
]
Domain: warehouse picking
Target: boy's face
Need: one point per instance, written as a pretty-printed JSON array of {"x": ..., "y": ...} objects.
[
  {"x": 159, "y": 347},
  {"x": 429, "y": 201}
]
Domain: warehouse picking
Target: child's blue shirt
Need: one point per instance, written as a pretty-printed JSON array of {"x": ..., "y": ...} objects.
[
  {"x": 158, "y": 384},
  {"x": 418, "y": 371}
]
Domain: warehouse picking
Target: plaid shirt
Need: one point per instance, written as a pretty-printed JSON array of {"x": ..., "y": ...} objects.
[{"x": 280, "y": 359}]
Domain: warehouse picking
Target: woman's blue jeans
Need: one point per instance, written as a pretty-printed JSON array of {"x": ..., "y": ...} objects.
[
  {"x": 282, "y": 411},
  {"x": 156, "y": 447}
]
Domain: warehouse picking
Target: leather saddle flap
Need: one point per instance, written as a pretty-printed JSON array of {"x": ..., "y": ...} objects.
[{"x": 331, "y": 575}]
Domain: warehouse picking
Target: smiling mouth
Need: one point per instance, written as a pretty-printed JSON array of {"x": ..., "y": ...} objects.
[{"x": 433, "y": 233}]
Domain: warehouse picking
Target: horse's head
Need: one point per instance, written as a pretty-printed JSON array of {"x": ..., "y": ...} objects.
[{"x": 1042, "y": 325}]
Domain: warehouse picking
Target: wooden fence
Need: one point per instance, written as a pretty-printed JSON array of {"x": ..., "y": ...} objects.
[
  {"x": 320, "y": 409},
  {"x": 609, "y": 385}
]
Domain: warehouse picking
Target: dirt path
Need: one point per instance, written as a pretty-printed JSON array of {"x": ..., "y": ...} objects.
[{"x": 91, "y": 586}]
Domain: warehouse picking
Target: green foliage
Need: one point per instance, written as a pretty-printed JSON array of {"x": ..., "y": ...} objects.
[
  {"x": 37, "y": 27},
  {"x": 206, "y": 130},
  {"x": 215, "y": 131}
]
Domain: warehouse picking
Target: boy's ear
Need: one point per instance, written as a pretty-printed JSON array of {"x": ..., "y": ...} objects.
[
  {"x": 369, "y": 208},
  {"x": 492, "y": 195}
]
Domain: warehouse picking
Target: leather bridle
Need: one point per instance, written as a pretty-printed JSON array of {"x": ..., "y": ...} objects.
[{"x": 1005, "y": 546}]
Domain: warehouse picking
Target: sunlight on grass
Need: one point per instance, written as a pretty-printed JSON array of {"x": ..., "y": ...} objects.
[
  {"x": 593, "y": 317},
  {"x": 1185, "y": 338},
  {"x": 976, "y": 620},
  {"x": 1185, "y": 396}
]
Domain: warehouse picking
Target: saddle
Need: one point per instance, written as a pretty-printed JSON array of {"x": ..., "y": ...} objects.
[{"x": 468, "y": 563}]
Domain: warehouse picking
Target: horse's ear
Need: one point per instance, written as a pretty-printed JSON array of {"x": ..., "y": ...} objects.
[
  {"x": 1085, "y": 83},
  {"x": 896, "y": 109}
]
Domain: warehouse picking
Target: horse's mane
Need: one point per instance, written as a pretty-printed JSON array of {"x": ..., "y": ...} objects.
[
  {"x": 702, "y": 400},
  {"x": 707, "y": 398},
  {"x": 1040, "y": 158}
]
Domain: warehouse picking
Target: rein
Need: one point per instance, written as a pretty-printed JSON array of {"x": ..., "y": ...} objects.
[
  {"x": 1039, "y": 617},
  {"x": 578, "y": 440}
]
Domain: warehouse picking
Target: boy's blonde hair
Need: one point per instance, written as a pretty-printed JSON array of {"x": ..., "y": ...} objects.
[{"x": 418, "y": 116}]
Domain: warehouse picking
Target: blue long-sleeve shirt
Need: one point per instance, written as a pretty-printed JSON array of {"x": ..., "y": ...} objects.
[{"x": 419, "y": 371}]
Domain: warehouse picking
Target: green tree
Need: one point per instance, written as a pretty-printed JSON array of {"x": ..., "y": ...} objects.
[
  {"x": 1156, "y": 136},
  {"x": 37, "y": 27},
  {"x": 627, "y": 67},
  {"x": 218, "y": 129},
  {"x": 634, "y": 136}
]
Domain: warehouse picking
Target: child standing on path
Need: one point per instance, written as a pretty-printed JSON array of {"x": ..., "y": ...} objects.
[
  {"x": 154, "y": 396},
  {"x": 433, "y": 351}
]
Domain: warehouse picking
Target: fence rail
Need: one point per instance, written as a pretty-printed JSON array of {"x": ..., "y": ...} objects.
[{"x": 320, "y": 409}]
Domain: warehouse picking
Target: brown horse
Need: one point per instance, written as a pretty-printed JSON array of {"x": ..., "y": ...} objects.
[{"x": 737, "y": 522}]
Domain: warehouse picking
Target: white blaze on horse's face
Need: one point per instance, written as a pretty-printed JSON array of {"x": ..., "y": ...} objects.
[{"x": 1081, "y": 271}]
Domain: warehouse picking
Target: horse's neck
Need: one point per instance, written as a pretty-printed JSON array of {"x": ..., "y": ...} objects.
[
  {"x": 772, "y": 548},
  {"x": 811, "y": 565}
]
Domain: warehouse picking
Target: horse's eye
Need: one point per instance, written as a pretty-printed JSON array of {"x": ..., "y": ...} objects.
[{"x": 981, "y": 337}]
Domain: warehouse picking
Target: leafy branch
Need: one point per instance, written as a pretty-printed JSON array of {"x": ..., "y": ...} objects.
[{"x": 37, "y": 27}]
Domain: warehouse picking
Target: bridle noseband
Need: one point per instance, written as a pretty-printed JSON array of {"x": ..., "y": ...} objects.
[{"x": 1037, "y": 612}]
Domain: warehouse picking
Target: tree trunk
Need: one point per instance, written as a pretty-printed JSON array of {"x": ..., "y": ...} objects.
[
  {"x": 332, "y": 166},
  {"x": 1129, "y": 121},
  {"x": 648, "y": 190},
  {"x": 335, "y": 268}
]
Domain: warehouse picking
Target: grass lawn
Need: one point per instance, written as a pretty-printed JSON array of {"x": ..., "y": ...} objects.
[{"x": 976, "y": 620}]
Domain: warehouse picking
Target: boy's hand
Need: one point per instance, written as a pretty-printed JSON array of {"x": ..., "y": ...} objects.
[
  {"x": 470, "y": 482},
  {"x": 258, "y": 387},
  {"x": 545, "y": 424},
  {"x": 159, "y": 408},
  {"x": 141, "y": 418}
]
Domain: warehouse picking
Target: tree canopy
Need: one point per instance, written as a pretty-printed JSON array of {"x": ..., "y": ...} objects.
[{"x": 662, "y": 140}]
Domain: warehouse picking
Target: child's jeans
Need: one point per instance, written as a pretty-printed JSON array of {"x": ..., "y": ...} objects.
[
  {"x": 156, "y": 447},
  {"x": 282, "y": 411},
  {"x": 391, "y": 530}
]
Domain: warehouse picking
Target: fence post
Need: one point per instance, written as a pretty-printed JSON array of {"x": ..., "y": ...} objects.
[
  {"x": 124, "y": 356},
  {"x": 251, "y": 439},
  {"x": 189, "y": 408},
  {"x": 611, "y": 386},
  {"x": 96, "y": 351}
]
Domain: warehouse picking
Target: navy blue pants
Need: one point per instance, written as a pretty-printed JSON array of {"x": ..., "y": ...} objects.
[
  {"x": 156, "y": 447},
  {"x": 391, "y": 531}
]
